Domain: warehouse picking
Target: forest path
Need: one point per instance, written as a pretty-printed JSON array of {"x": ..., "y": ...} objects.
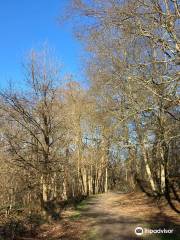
[
  {"x": 111, "y": 216},
  {"x": 114, "y": 216}
]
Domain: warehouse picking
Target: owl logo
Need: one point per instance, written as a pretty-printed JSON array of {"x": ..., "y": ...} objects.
[{"x": 139, "y": 231}]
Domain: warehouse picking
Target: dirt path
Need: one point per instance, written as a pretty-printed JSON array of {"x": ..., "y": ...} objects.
[
  {"x": 111, "y": 216},
  {"x": 114, "y": 216}
]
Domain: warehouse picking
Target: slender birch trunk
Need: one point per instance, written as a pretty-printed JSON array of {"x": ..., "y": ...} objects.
[
  {"x": 147, "y": 167},
  {"x": 106, "y": 180}
]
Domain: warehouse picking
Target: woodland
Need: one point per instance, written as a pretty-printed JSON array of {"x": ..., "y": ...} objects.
[{"x": 61, "y": 142}]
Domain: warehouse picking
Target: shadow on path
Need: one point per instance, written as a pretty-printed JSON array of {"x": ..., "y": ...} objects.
[{"x": 110, "y": 217}]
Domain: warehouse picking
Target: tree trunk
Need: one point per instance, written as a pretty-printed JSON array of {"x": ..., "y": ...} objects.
[
  {"x": 106, "y": 181},
  {"x": 147, "y": 167}
]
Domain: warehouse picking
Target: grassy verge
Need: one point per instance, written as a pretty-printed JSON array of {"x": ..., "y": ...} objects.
[
  {"x": 91, "y": 235},
  {"x": 80, "y": 207},
  {"x": 84, "y": 203}
]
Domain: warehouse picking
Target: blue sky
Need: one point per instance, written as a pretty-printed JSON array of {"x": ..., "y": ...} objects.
[{"x": 27, "y": 24}]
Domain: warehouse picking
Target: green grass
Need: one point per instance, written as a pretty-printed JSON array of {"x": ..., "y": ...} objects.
[
  {"x": 84, "y": 204},
  {"x": 75, "y": 216},
  {"x": 92, "y": 235},
  {"x": 78, "y": 208}
]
